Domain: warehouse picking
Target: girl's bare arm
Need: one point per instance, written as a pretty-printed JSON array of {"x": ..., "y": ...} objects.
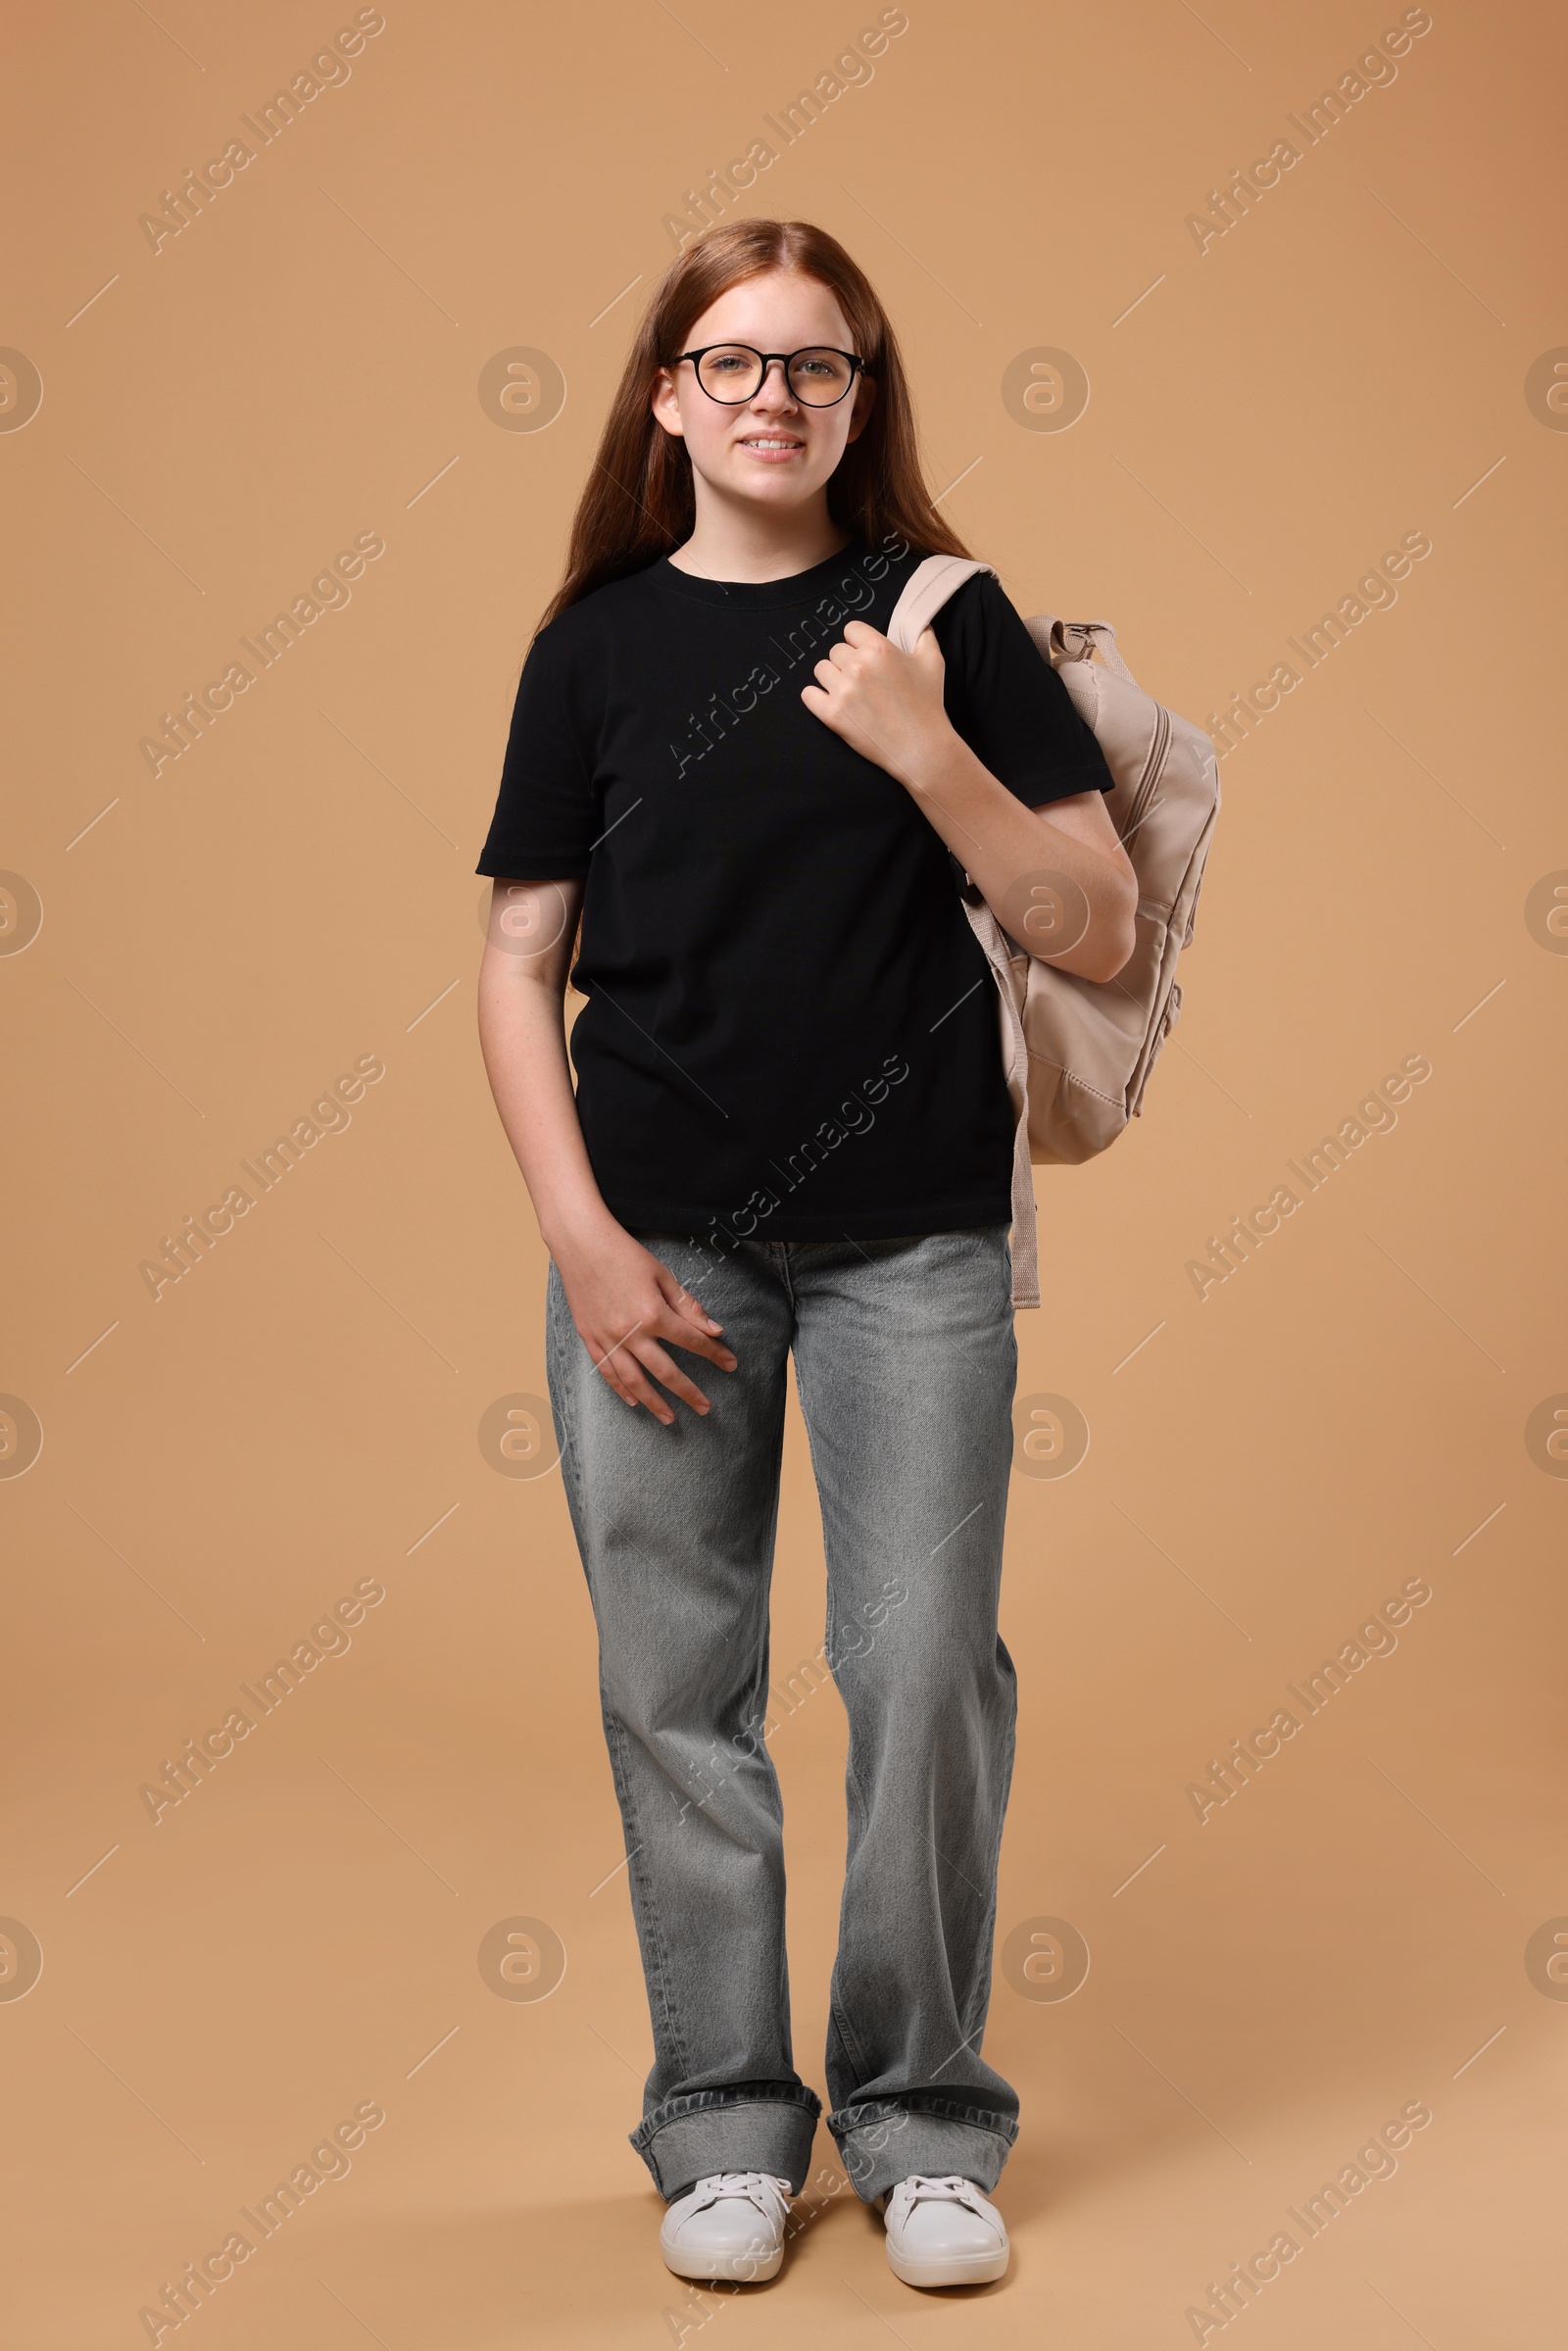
[
  {"x": 626, "y": 1305},
  {"x": 1056, "y": 877}
]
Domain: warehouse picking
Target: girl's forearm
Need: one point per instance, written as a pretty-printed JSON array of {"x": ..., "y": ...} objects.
[
  {"x": 1002, "y": 843},
  {"x": 1069, "y": 902},
  {"x": 522, "y": 1037}
]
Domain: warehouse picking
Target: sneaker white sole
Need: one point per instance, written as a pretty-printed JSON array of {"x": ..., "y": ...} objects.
[
  {"x": 951, "y": 2268},
  {"x": 746, "y": 2269}
]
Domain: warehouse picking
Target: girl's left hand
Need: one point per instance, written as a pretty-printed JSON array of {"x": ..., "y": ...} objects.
[{"x": 885, "y": 704}]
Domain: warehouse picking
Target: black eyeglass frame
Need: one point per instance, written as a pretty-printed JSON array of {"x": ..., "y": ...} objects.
[{"x": 857, "y": 368}]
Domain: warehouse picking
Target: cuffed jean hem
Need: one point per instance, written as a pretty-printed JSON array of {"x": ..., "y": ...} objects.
[
  {"x": 883, "y": 2143},
  {"x": 762, "y": 2128}
]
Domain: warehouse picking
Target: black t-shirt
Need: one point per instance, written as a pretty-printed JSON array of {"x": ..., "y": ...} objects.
[{"x": 790, "y": 1031}]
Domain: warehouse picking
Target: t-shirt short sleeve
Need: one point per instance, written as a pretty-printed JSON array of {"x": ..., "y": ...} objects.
[
  {"x": 547, "y": 810},
  {"x": 1007, "y": 703}
]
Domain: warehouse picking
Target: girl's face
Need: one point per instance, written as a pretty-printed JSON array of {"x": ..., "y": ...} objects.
[{"x": 773, "y": 450}]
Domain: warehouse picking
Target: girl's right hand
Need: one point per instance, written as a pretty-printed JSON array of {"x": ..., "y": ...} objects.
[{"x": 628, "y": 1307}]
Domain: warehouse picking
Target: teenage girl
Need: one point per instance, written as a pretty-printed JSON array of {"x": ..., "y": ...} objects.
[{"x": 791, "y": 1133}]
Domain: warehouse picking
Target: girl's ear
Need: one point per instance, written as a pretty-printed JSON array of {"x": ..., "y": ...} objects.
[
  {"x": 864, "y": 402},
  {"x": 666, "y": 405}
]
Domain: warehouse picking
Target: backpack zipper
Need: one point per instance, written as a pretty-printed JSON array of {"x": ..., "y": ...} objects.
[{"x": 1150, "y": 775}]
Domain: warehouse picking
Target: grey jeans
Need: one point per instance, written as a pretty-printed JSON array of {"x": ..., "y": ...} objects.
[{"x": 904, "y": 1364}]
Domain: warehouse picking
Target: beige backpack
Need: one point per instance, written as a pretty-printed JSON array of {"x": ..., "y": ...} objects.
[{"x": 1078, "y": 1053}]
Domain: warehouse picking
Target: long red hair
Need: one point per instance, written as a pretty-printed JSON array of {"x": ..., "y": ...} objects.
[{"x": 638, "y": 502}]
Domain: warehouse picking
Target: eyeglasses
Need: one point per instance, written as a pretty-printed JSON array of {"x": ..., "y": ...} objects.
[{"x": 733, "y": 373}]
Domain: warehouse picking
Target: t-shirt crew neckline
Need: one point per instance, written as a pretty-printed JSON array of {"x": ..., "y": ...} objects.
[{"x": 755, "y": 594}]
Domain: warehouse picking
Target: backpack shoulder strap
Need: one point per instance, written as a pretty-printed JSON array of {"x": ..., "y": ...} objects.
[{"x": 925, "y": 592}]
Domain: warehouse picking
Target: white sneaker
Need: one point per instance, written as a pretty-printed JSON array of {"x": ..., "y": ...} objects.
[
  {"x": 944, "y": 2232},
  {"x": 729, "y": 2226}
]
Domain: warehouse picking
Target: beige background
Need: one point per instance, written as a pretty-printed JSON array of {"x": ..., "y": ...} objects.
[{"x": 301, "y": 365}]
